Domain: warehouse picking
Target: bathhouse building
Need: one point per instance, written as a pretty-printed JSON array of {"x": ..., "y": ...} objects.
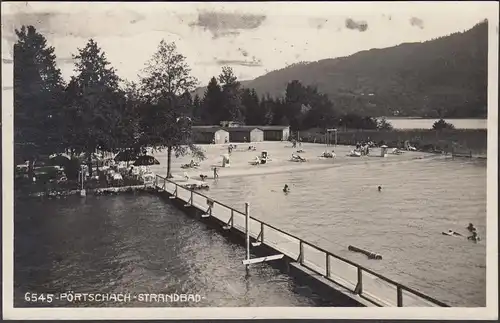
[
  {"x": 245, "y": 134},
  {"x": 209, "y": 134},
  {"x": 275, "y": 133}
]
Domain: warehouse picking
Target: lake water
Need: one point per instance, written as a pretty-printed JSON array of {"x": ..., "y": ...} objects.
[
  {"x": 338, "y": 205},
  {"x": 415, "y": 123},
  {"x": 137, "y": 244}
]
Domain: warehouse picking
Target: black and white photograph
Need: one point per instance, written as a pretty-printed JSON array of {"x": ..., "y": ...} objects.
[{"x": 249, "y": 160}]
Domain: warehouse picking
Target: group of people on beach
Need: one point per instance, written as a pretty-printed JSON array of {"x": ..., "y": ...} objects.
[{"x": 363, "y": 148}]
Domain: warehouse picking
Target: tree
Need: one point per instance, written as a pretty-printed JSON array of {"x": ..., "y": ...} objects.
[
  {"x": 383, "y": 124},
  {"x": 212, "y": 112},
  {"x": 130, "y": 135},
  {"x": 231, "y": 95},
  {"x": 267, "y": 106},
  {"x": 96, "y": 104},
  {"x": 196, "y": 109},
  {"x": 441, "y": 124},
  {"x": 166, "y": 78},
  {"x": 38, "y": 89},
  {"x": 297, "y": 103},
  {"x": 254, "y": 113},
  {"x": 354, "y": 121}
]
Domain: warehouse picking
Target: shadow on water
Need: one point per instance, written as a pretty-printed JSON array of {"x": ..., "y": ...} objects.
[{"x": 137, "y": 244}]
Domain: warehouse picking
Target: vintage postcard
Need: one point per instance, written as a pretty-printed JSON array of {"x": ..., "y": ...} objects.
[{"x": 249, "y": 160}]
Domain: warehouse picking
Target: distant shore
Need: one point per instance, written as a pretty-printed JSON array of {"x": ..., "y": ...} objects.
[
  {"x": 433, "y": 118},
  {"x": 460, "y": 141}
]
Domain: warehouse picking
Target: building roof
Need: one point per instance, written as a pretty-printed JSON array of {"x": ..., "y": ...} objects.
[
  {"x": 214, "y": 128},
  {"x": 241, "y": 128},
  {"x": 207, "y": 129},
  {"x": 271, "y": 127}
]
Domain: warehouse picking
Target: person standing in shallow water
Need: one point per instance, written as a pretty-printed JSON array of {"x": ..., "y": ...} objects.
[
  {"x": 216, "y": 173},
  {"x": 286, "y": 189},
  {"x": 380, "y": 188}
]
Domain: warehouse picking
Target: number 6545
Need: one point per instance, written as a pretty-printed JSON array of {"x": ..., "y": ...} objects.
[{"x": 34, "y": 297}]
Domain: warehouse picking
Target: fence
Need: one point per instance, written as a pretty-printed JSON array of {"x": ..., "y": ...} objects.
[
  {"x": 468, "y": 141},
  {"x": 360, "y": 280}
]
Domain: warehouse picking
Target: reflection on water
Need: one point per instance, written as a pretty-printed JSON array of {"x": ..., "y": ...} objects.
[
  {"x": 339, "y": 206},
  {"x": 137, "y": 244}
]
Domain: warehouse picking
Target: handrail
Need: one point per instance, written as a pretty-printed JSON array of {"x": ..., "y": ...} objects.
[{"x": 398, "y": 286}]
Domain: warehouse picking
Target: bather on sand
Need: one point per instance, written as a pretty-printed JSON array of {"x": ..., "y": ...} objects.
[
  {"x": 327, "y": 154},
  {"x": 256, "y": 161},
  {"x": 297, "y": 158},
  {"x": 354, "y": 153}
]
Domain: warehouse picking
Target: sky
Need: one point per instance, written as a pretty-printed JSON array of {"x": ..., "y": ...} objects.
[{"x": 252, "y": 38}]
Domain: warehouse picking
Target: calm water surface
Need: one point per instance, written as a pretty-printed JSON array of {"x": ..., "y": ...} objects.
[
  {"x": 137, "y": 244},
  {"x": 336, "y": 207}
]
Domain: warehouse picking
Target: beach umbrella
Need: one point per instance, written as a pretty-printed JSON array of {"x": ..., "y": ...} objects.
[
  {"x": 126, "y": 155},
  {"x": 59, "y": 160},
  {"x": 146, "y": 160}
]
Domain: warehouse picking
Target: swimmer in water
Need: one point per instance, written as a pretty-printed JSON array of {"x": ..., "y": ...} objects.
[
  {"x": 380, "y": 188},
  {"x": 471, "y": 227},
  {"x": 453, "y": 233},
  {"x": 286, "y": 189},
  {"x": 474, "y": 236}
]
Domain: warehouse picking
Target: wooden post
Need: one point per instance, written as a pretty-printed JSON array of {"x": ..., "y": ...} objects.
[
  {"x": 327, "y": 265},
  {"x": 192, "y": 197},
  {"x": 359, "y": 287},
  {"x": 301, "y": 252},
  {"x": 400, "y": 296},
  {"x": 247, "y": 230},
  {"x": 262, "y": 232}
]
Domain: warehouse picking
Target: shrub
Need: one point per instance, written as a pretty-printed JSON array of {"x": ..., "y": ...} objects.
[
  {"x": 383, "y": 124},
  {"x": 441, "y": 124}
]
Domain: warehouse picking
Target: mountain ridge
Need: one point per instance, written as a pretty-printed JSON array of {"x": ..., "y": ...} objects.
[{"x": 445, "y": 76}]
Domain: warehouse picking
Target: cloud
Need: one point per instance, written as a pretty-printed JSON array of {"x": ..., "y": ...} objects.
[
  {"x": 222, "y": 24},
  {"x": 249, "y": 63},
  {"x": 417, "y": 22},
  {"x": 82, "y": 24},
  {"x": 356, "y": 25}
]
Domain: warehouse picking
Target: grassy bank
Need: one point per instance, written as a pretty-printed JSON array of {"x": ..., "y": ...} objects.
[{"x": 460, "y": 141}]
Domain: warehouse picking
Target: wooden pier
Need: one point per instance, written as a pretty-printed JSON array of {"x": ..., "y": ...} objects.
[{"x": 352, "y": 278}]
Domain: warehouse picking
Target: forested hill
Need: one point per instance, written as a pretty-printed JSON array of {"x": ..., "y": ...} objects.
[{"x": 446, "y": 76}]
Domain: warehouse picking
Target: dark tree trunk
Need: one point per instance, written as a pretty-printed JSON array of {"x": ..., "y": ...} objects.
[
  {"x": 89, "y": 163},
  {"x": 31, "y": 169},
  {"x": 169, "y": 162}
]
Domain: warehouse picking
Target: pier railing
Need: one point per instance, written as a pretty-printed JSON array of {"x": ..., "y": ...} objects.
[{"x": 364, "y": 282}]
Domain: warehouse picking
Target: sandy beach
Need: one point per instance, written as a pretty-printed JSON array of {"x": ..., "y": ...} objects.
[{"x": 279, "y": 154}]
